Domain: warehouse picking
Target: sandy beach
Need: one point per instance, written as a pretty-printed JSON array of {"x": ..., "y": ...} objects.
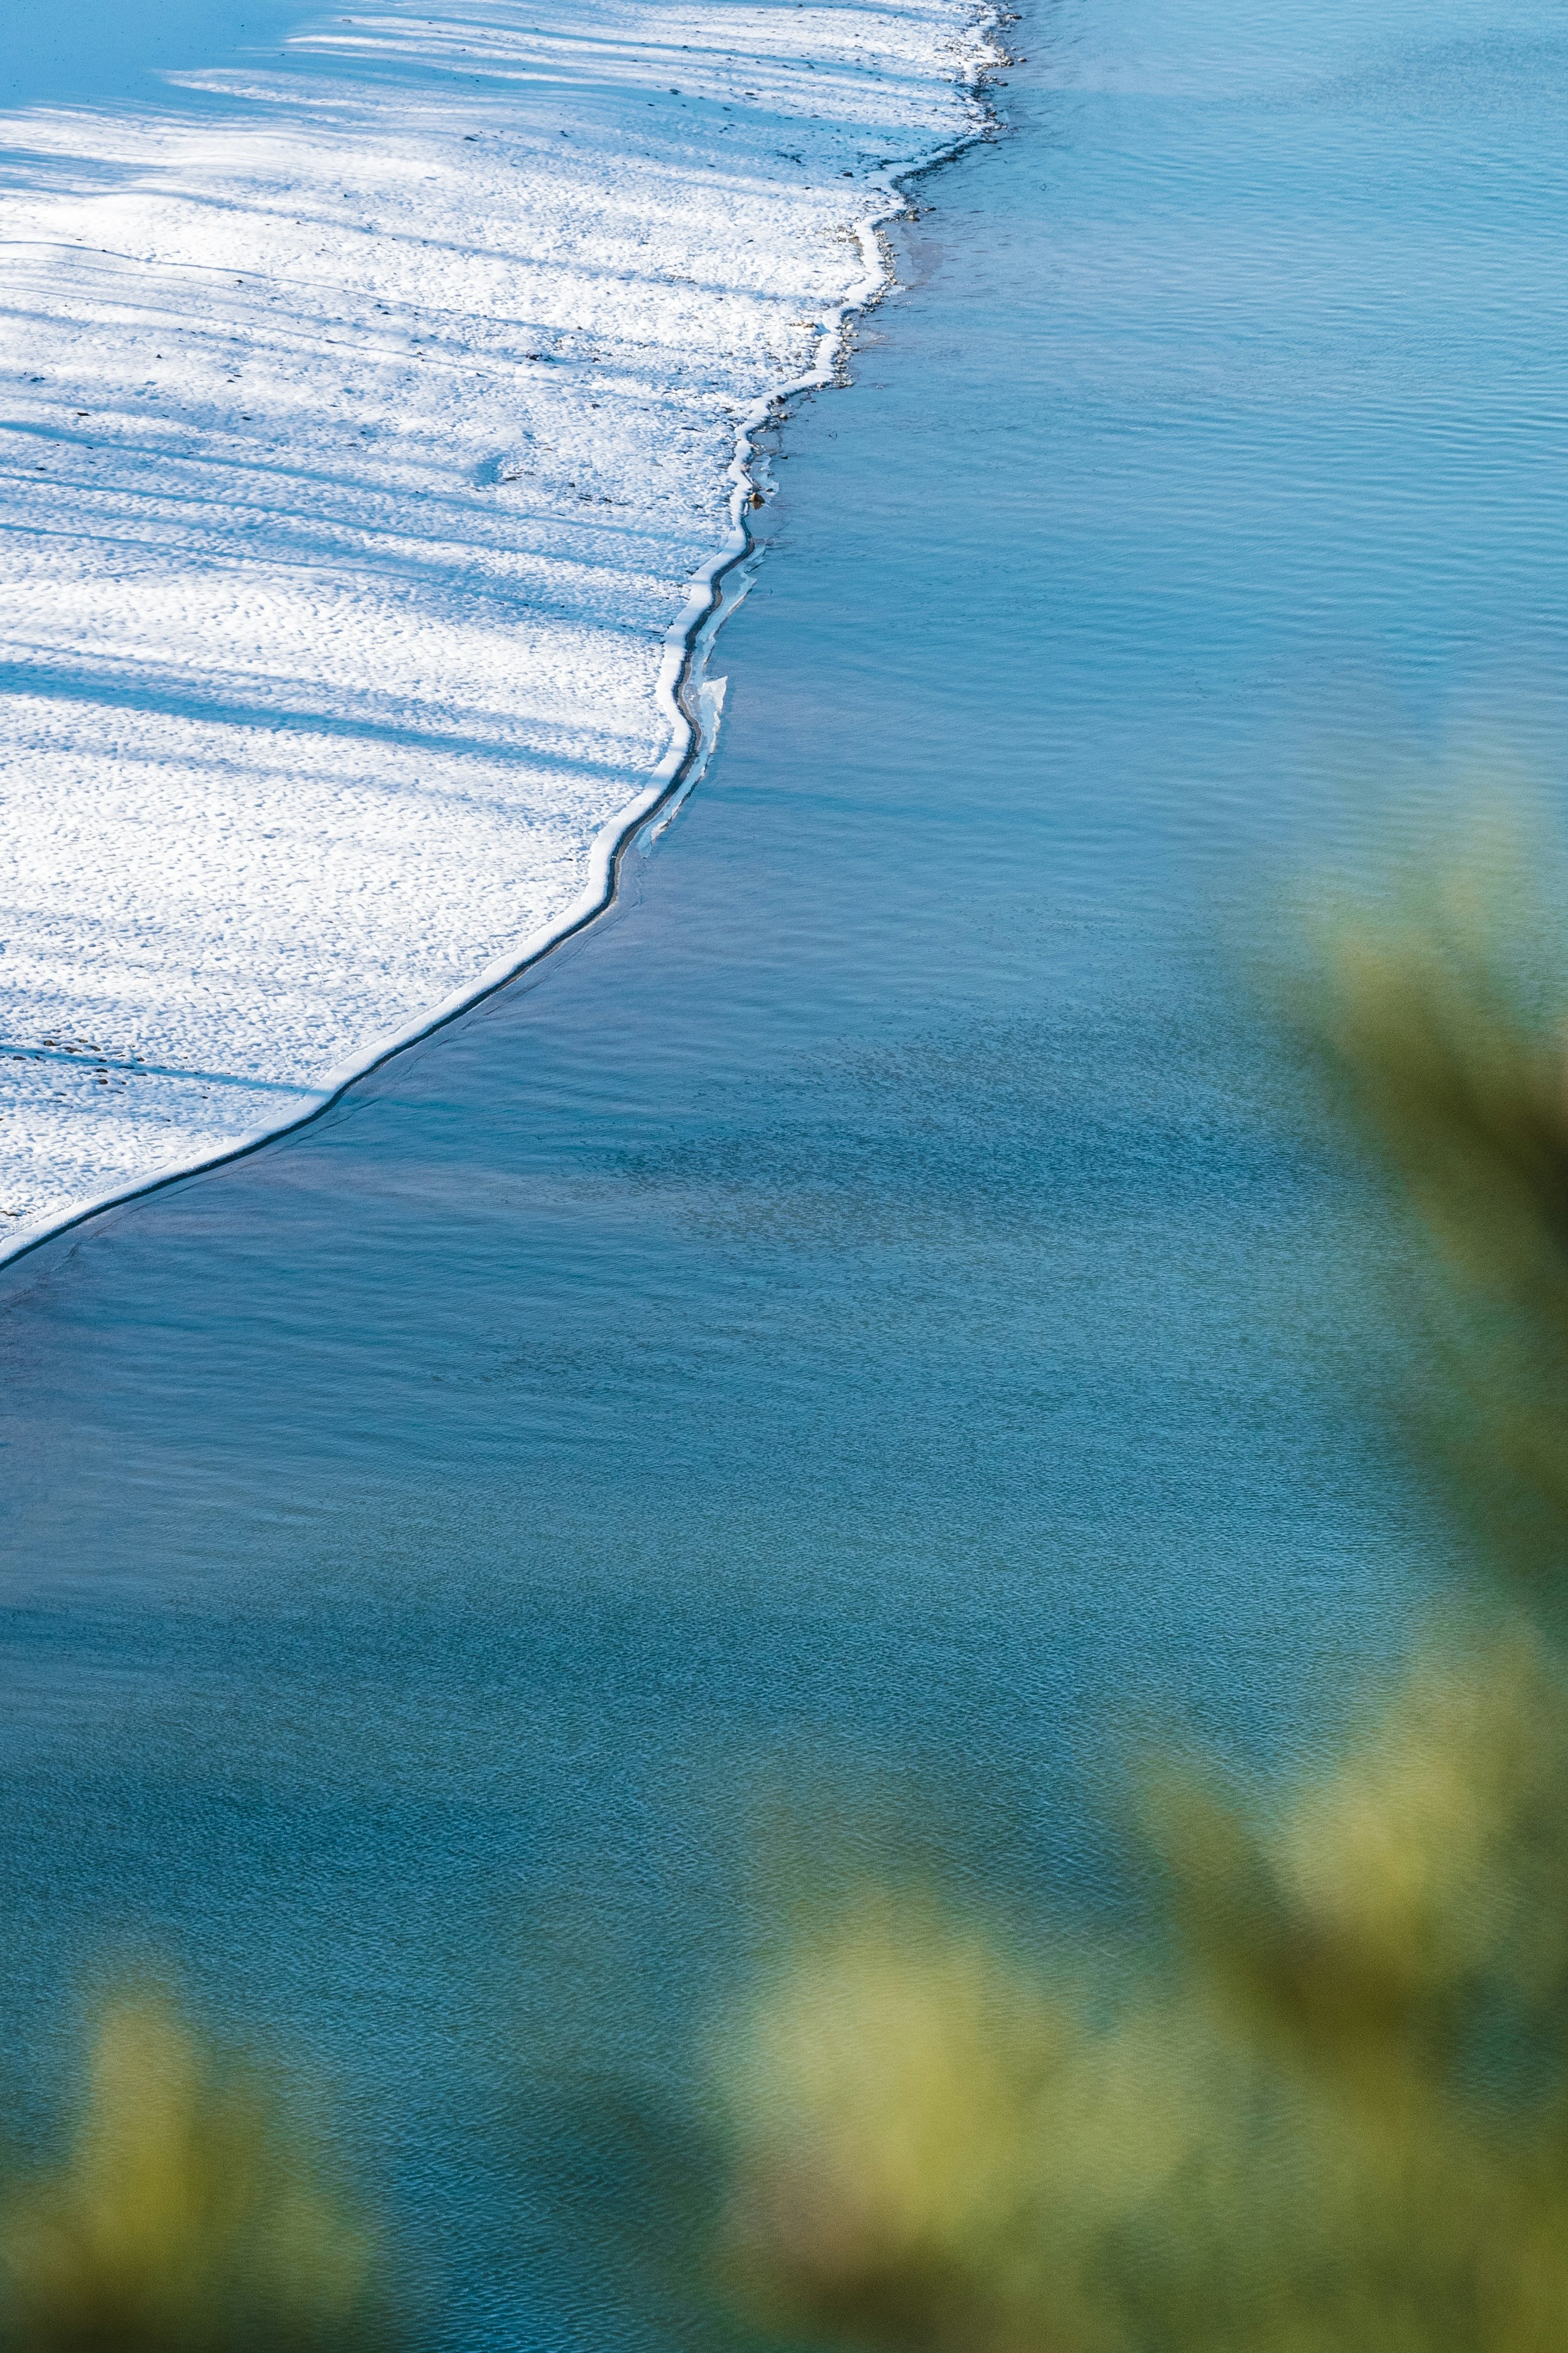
[{"x": 372, "y": 412}]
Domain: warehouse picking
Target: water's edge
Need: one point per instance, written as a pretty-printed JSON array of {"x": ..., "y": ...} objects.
[{"x": 693, "y": 716}]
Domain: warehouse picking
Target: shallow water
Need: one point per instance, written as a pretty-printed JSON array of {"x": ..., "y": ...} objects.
[
  {"x": 849, "y": 1312},
  {"x": 81, "y": 51}
]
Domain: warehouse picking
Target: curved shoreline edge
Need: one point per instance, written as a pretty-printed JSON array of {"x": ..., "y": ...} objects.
[{"x": 680, "y": 692}]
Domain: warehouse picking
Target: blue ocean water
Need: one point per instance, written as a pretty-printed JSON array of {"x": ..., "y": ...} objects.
[
  {"x": 859, "y": 1314},
  {"x": 81, "y": 52}
]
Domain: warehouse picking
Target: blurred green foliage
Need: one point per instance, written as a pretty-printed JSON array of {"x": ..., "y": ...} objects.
[
  {"x": 192, "y": 2215},
  {"x": 1332, "y": 2111}
]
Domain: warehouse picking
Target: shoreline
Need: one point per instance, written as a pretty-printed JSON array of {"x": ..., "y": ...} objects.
[{"x": 687, "y": 706}]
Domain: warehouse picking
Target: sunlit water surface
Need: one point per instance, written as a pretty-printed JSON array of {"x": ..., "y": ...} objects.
[{"x": 858, "y": 1313}]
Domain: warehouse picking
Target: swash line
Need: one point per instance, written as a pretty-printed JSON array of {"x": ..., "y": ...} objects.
[{"x": 687, "y": 644}]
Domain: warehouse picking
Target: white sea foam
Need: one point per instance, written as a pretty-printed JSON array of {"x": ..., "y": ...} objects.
[{"x": 372, "y": 440}]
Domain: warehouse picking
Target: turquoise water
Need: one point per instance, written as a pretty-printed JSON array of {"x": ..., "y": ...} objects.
[
  {"x": 77, "y": 52},
  {"x": 843, "y": 1315}
]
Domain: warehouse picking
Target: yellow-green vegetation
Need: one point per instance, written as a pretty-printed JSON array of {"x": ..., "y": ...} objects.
[
  {"x": 1331, "y": 2113},
  {"x": 191, "y": 2216}
]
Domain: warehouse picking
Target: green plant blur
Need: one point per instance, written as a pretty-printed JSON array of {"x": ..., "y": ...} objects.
[
  {"x": 1332, "y": 2114},
  {"x": 192, "y": 2215}
]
